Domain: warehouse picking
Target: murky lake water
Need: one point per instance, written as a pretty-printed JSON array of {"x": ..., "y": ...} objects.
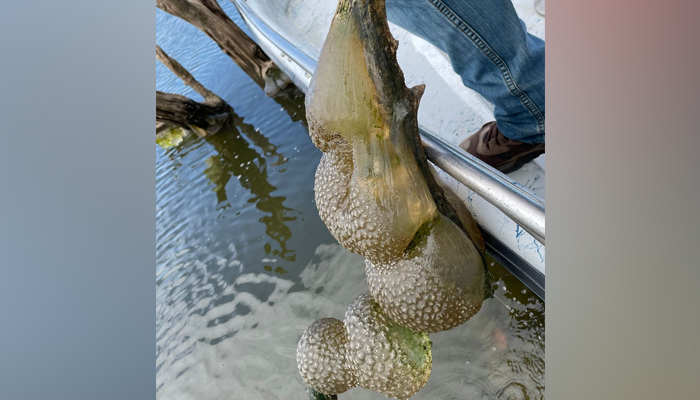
[{"x": 244, "y": 264}]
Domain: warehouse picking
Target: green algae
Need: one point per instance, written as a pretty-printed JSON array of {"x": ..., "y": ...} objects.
[{"x": 170, "y": 137}]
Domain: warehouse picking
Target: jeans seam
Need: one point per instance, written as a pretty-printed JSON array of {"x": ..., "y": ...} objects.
[{"x": 495, "y": 58}]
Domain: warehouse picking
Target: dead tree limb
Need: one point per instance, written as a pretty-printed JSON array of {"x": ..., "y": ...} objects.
[
  {"x": 160, "y": 126},
  {"x": 205, "y": 118},
  {"x": 186, "y": 77},
  {"x": 208, "y": 17}
]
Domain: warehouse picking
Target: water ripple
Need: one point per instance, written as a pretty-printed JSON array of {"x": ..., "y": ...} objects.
[{"x": 244, "y": 265}]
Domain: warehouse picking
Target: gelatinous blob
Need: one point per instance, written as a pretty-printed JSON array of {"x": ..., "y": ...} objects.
[
  {"x": 368, "y": 350},
  {"x": 321, "y": 357},
  {"x": 370, "y": 190},
  {"x": 388, "y": 357},
  {"x": 374, "y": 188},
  {"x": 437, "y": 285}
]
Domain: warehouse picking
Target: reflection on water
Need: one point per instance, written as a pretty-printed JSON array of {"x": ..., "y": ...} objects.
[
  {"x": 236, "y": 158},
  {"x": 244, "y": 264},
  {"x": 241, "y": 342}
]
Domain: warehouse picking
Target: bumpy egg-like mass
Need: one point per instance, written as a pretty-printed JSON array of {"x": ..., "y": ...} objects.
[
  {"x": 387, "y": 357},
  {"x": 438, "y": 284},
  {"x": 368, "y": 349},
  {"x": 376, "y": 194},
  {"x": 321, "y": 357}
]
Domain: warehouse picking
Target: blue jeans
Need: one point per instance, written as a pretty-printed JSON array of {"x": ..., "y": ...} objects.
[{"x": 489, "y": 47}]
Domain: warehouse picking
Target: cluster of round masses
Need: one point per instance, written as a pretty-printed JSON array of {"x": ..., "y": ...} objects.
[{"x": 368, "y": 350}]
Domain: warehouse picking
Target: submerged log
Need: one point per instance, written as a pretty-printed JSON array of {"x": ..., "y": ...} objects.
[
  {"x": 204, "y": 119},
  {"x": 208, "y": 17}
]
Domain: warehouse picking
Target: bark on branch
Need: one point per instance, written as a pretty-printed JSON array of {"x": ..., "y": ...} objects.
[
  {"x": 186, "y": 77},
  {"x": 175, "y": 110},
  {"x": 205, "y": 119},
  {"x": 209, "y": 18}
]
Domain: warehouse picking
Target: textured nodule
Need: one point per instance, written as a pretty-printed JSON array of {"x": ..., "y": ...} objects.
[
  {"x": 368, "y": 350},
  {"x": 437, "y": 285},
  {"x": 321, "y": 357},
  {"x": 387, "y": 357}
]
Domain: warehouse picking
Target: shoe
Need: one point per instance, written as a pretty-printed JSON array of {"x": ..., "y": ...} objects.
[{"x": 496, "y": 150}]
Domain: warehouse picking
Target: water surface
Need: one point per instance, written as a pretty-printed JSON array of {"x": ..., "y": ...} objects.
[{"x": 244, "y": 264}]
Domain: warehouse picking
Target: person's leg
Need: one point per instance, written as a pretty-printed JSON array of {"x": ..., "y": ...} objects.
[{"x": 491, "y": 50}]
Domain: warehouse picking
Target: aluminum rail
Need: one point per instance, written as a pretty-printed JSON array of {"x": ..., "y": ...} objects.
[
  {"x": 522, "y": 207},
  {"x": 299, "y": 57}
]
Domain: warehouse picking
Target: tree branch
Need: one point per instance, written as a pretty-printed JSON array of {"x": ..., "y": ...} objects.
[
  {"x": 186, "y": 77},
  {"x": 204, "y": 119},
  {"x": 208, "y": 17}
]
